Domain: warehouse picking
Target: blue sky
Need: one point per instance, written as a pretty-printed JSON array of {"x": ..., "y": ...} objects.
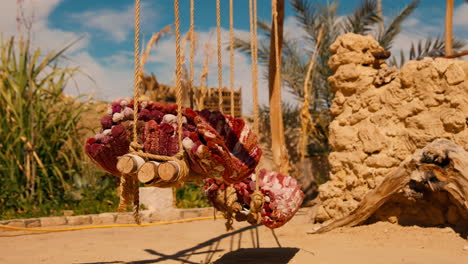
[
  {"x": 106, "y": 50},
  {"x": 66, "y": 17}
]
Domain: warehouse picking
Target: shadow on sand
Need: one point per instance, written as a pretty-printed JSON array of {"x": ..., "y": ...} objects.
[
  {"x": 258, "y": 256},
  {"x": 210, "y": 247}
]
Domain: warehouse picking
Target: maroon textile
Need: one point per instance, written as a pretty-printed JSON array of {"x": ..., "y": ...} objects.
[
  {"x": 218, "y": 146},
  {"x": 283, "y": 196}
]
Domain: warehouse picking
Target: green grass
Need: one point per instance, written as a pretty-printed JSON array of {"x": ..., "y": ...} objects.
[
  {"x": 43, "y": 167},
  {"x": 191, "y": 196}
]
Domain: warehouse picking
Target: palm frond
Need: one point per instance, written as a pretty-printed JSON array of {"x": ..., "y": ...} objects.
[
  {"x": 394, "y": 28},
  {"x": 362, "y": 19},
  {"x": 306, "y": 16},
  {"x": 428, "y": 48}
]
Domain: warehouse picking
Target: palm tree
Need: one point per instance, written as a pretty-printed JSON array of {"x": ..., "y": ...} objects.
[{"x": 311, "y": 16}]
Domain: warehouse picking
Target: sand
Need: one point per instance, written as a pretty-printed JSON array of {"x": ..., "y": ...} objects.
[{"x": 208, "y": 242}]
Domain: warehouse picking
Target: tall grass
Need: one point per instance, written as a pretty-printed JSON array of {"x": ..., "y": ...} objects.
[{"x": 41, "y": 151}]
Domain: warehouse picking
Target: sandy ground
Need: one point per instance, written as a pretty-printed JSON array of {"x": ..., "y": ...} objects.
[{"x": 208, "y": 242}]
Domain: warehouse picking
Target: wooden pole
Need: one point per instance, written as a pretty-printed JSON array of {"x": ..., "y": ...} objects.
[
  {"x": 380, "y": 14},
  {"x": 448, "y": 28},
  {"x": 280, "y": 157}
]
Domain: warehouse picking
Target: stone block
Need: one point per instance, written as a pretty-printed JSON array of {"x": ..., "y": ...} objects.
[
  {"x": 103, "y": 219},
  {"x": 79, "y": 220},
  {"x": 206, "y": 212},
  {"x": 154, "y": 199},
  {"x": 16, "y": 223},
  {"x": 125, "y": 218},
  {"x": 53, "y": 221},
  {"x": 166, "y": 215},
  {"x": 31, "y": 223},
  {"x": 190, "y": 213},
  {"x": 145, "y": 216}
]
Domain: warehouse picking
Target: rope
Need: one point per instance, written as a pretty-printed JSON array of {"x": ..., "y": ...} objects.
[
  {"x": 192, "y": 47},
  {"x": 231, "y": 53},
  {"x": 137, "y": 79},
  {"x": 128, "y": 184},
  {"x": 253, "y": 47},
  {"x": 178, "y": 75},
  {"x": 257, "y": 198},
  {"x": 108, "y": 226},
  {"x": 135, "y": 147},
  {"x": 306, "y": 118},
  {"x": 277, "y": 56},
  {"x": 220, "y": 66}
]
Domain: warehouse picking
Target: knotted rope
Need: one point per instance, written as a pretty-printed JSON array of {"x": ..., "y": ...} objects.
[
  {"x": 253, "y": 47},
  {"x": 192, "y": 47},
  {"x": 220, "y": 66},
  {"x": 307, "y": 123},
  {"x": 231, "y": 53},
  {"x": 135, "y": 146},
  {"x": 129, "y": 182},
  {"x": 257, "y": 199}
]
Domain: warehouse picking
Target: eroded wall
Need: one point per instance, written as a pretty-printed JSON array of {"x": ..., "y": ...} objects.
[{"x": 381, "y": 115}]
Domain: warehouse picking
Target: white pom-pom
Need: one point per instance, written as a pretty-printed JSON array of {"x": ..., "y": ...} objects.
[
  {"x": 123, "y": 103},
  {"x": 117, "y": 117},
  {"x": 99, "y": 136},
  {"x": 128, "y": 113},
  {"x": 107, "y": 132},
  {"x": 170, "y": 119},
  {"x": 109, "y": 110},
  {"x": 188, "y": 144}
]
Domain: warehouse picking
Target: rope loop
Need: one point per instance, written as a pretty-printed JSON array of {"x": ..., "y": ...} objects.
[
  {"x": 135, "y": 147},
  {"x": 256, "y": 204}
]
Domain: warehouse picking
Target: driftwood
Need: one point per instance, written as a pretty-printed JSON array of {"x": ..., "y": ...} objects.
[{"x": 429, "y": 188}]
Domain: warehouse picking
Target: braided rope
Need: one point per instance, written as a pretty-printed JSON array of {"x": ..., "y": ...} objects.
[
  {"x": 306, "y": 118},
  {"x": 192, "y": 46},
  {"x": 135, "y": 147},
  {"x": 220, "y": 66},
  {"x": 253, "y": 47},
  {"x": 257, "y": 198},
  {"x": 128, "y": 184},
  {"x": 231, "y": 53},
  {"x": 178, "y": 74},
  {"x": 137, "y": 77}
]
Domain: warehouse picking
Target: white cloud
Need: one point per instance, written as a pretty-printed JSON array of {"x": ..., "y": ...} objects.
[
  {"x": 103, "y": 82},
  {"x": 460, "y": 15},
  {"x": 42, "y": 35},
  {"x": 117, "y": 24},
  {"x": 107, "y": 82}
]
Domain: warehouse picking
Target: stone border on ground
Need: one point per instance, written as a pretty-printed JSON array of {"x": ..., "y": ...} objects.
[{"x": 109, "y": 218}]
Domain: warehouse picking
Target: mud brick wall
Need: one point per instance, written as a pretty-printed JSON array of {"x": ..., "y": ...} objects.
[{"x": 381, "y": 115}]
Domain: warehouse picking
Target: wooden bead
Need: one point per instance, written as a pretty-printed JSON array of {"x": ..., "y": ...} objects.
[
  {"x": 148, "y": 172},
  {"x": 168, "y": 171},
  {"x": 129, "y": 163}
]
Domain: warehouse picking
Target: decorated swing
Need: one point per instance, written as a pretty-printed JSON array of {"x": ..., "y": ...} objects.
[{"x": 166, "y": 145}]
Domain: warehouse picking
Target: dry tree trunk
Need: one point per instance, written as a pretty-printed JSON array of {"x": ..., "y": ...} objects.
[
  {"x": 429, "y": 188},
  {"x": 280, "y": 155}
]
